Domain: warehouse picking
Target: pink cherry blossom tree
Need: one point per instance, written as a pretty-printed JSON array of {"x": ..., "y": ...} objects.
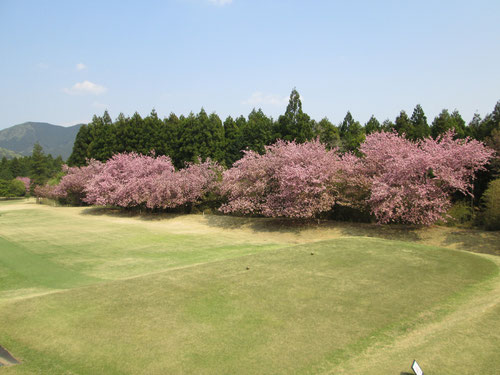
[
  {"x": 134, "y": 180},
  {"x": 411, "y": 182},
  {"x": 290, "y": 180},
  {"x": 125, "y": 180},
  {"x": 187, "y": 186},
  {"x": 72, "y": 185},
  {"x": 45, "y": 191}
]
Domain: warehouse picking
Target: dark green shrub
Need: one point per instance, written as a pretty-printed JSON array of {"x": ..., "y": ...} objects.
[
  {"x": 17, "y": 188},
  {"x": 12, "y": 188},
  {"x": 460, "y": 213},
  {"x": 491, "y": 200}
]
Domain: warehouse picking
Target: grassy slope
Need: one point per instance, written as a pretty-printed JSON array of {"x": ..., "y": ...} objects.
[
  {"x": 129, "y": 295},
  {"x": 9, "y": 154}
]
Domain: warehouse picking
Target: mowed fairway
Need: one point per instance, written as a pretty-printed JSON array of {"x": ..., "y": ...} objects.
[{"x": 92, "y": 291}]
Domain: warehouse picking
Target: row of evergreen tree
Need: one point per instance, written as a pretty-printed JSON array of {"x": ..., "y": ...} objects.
[{"x": 203, "y": 135}]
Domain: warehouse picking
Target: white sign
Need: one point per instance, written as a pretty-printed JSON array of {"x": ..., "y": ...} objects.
[{"x": 416, "y": 368}]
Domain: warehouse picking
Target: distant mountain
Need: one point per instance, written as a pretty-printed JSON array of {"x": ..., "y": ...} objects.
[
  {"x": 9, "y": 154},
  {"x": 55, "y": 140}
]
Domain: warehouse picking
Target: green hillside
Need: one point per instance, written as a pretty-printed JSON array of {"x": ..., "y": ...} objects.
[
  {"x": 55, "y": 140},
  {"x": 9, "y": 154}
]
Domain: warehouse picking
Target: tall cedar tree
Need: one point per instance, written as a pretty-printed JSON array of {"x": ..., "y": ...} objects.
[
  {"x": 445, "y": 122},
  {"x": 161, "y": 134},
  {"x": 55, "y": 164},
  {"x": 388, "y": 125},
  {"x": 490, "y": 123},
  {"x": 419, "y": 127},
  {"x": 232, "y": 134},
  {"x": 39, "y": 167},
  {"x": 241, "y": 122},
  {"x": 294, "y": 124},
  {"x": 103, "y": 137},
  {"x": 16, "y": 168},
  {"x": 80, "y": 151},
  {"x": 134, "y": 133},
  {"x": 475, "y": 126},
  {"x": 493, "y": 141},
  {"x": 373, "y": 125},
  {"x": 120, "y": 127},
  {"x": 256, "y": 132},
  {"x": 460, "y": 128},
  {"x": 327, "y": 132},
  {"x": 170, "y": 136},
  {"x": 351, "y": 133},
  {"x": 150, "y": 140},
  {"x": 5, "y": 172},
  {"x": 402, "y": 124},
  {"x": 215, "y": 130},
  {"x": 201, "y": 136}
]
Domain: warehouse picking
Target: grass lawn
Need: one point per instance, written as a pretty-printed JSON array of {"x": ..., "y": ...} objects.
[{"x": 93, "y": 291}]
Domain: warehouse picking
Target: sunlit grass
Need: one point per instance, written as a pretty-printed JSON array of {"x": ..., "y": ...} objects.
[{"x": 87, "y": 291}]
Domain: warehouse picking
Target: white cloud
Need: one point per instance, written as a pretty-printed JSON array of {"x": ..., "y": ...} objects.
[
  {"x": 260, "y": 98},
  {"x": 220, "y": 2},
  {"x": 81, "y": 66},
  {"x": 86, "y": 87},
  {"x": 42, "y": 65}
]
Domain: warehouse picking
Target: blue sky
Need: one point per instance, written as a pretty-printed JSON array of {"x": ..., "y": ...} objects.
[{"x": 63, "y": 61}]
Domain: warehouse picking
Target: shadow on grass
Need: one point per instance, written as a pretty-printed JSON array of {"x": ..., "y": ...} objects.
[
  {"x": 121, "y": 213},
  {"x": 295, "y": 226},
  {"x": 408, "y": 233},
  {"x": 473, "y": 240},
  {"x": 7, "y": 358},
  {"x": 259, "y": 224}
]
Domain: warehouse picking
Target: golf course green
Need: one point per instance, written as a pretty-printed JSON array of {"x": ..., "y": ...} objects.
[{"x": 101, "y": 291}]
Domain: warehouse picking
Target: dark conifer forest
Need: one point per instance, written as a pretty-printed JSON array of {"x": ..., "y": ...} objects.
[{"x": 185, "y": 138}]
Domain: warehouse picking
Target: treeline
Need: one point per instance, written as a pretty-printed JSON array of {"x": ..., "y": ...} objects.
[
  {"x": 200, "y": 136},
  {"x": 185, "y": 138},
  {"x": 39, "y": 167}
]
